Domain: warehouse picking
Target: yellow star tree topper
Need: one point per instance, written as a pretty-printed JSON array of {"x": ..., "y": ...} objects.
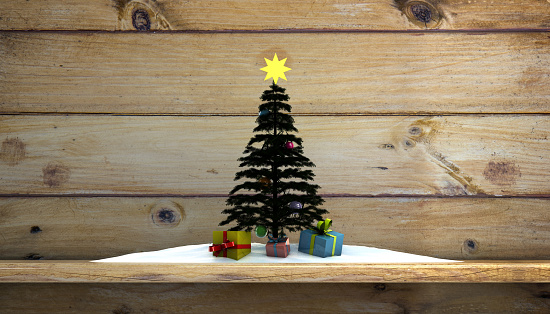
[{"x": 275, "y": 69}]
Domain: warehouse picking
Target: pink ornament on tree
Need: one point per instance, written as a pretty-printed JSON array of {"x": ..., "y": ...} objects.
[{"x": 289, "y": 145}]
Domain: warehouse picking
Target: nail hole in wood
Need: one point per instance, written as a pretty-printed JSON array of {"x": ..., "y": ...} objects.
[
  {"x": 387, "y": 146},
  {"x": 35, "y": 229}
]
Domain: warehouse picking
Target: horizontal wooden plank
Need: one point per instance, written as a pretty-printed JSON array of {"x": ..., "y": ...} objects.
[
  {"x": 366, "y": 155},
  {"x": 285, "y": 14},
  {"x": 89, "y": 272},
  {"x": 332, "y": 73},
  {"x": 317, "y": 297},
  {"x": 94, "y": 228}
]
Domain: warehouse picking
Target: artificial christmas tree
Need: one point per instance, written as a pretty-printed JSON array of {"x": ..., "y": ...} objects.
[{"x": 277, "y": 192}]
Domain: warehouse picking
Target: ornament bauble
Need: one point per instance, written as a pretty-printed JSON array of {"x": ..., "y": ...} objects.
[
  {"x": 295, "y": 205},
  {"x": 289, "y": 145},
  {"x": 265, "y": 182},
  {"x": 260, "y": 231}
]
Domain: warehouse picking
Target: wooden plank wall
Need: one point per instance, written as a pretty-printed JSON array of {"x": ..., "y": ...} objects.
[
  {"x": 339, "y": 298},
  {"x": 121, "y": 122},
  {"x": 428, "y": 121}
]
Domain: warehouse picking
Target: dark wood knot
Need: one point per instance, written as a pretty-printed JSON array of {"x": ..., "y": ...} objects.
[
  {"x": 421, "y": 12},
  {"x": 415, "y": 130},
  {"x": 424, "y": 14},
  {"x": 141, "y": 15},
  {"x": 167, "y": 214},
  {"x": 471, "y": 246},
  {"x": 141, "y": 20}
]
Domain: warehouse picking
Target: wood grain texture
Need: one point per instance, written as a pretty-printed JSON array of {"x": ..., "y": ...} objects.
[
  {"x": 91, "y": 272},
  {"x": 299, "y": 298},
  {"x": 332, "y": 73},
  {"x": 286, "y": 14},
  {"x": 94, "y": 228},
  {"x": 395, "y": 155}
]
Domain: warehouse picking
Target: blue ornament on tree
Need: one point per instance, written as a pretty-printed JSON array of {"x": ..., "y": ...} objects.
[
  {"x": 263, "y": 113},
  {"x": 295, "y": 205}
]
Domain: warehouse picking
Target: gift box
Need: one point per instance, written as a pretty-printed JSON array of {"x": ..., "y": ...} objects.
[
  {"x": 278, "y": 248},
  {"x": 321, "y": 241},
  {"x": 232, "y": 244}
]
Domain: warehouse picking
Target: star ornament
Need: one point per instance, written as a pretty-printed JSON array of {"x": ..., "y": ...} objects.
[{"x": 275, "y": 69}]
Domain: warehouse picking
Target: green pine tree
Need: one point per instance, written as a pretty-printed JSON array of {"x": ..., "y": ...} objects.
[{"x": 274, "y": 175}]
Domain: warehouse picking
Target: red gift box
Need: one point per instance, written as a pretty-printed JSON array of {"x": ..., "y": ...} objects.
[{"x": 281, "y": 248}]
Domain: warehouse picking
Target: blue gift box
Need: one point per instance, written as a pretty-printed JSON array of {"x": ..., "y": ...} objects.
[{"x": 323, "y": 244}]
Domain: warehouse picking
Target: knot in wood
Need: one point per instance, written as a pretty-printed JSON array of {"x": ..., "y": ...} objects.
[
  {"x": 409, "y": 143},
  {"x": 424, "y": 14},
  {"x": 167, "y": 214},
  {"x": 415, "y": 130},
  {"x": 141, "y": 15},
  {"x": 141, "y": 20},
  {"x": 471, "y": 246},
  {"x": 421, "y": 12}
]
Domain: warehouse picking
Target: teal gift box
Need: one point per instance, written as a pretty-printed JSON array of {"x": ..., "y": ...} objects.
[{"x": 321, "y": 241}]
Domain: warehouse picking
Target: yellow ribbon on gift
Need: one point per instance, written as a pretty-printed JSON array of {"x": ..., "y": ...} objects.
[{"x": 322, "y": 229}]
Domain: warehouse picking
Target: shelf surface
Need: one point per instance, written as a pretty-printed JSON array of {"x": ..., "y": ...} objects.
[{"x": 456, "y": 272}]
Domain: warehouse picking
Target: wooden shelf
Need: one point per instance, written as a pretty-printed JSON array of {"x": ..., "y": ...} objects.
[{"x": 460, "y": 272}]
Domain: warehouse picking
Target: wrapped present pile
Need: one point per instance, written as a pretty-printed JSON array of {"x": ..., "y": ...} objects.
[{"x": 318, "y": 241}]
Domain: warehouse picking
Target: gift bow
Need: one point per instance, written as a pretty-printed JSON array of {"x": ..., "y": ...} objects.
[
  {"x": 322, "y": 229},
  {"x": 221, "y": 247},
  {"x": 279, "y": 239},
  {"x": 218, "y": 248},
  {"x": 323, "y": 226},
  {"x": 225, "y": 245}
]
